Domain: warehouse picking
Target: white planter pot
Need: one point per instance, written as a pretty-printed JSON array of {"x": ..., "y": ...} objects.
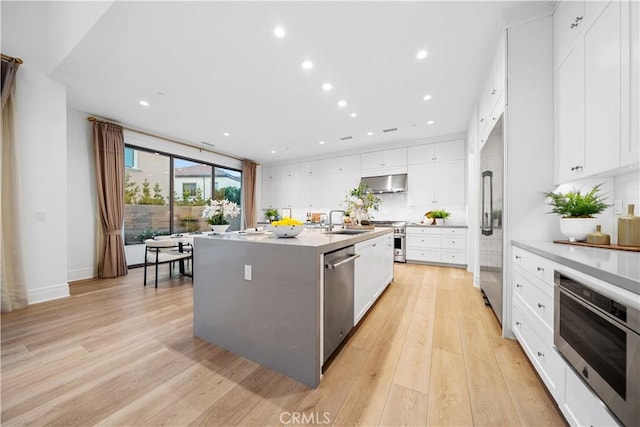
[
  {"x": 577, "y": 229},
  {"x": 220, "y": 228}
]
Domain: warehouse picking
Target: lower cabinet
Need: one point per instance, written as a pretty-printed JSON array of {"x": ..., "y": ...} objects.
[
  {"x": 373, "y": 272},
  {"x": 431, "y": 244},
  {"x": 532, "y": 319}
]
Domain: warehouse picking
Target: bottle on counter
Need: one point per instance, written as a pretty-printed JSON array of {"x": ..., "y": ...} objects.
[
  {"x": 598, "y": 237},
  {"x": 629, "y": 229}
]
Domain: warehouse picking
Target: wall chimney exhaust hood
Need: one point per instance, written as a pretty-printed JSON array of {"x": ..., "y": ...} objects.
[{"x": 386, "y": 183}]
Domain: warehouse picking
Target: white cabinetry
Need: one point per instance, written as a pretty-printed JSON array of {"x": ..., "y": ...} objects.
[
  {"x": 340, "y": 175},
  {"x": 491, "y": 104},
  {"x": 533, "y": 305},
  {"x": 436, "y": 174},
  {"x": 592, "y": 86},
  {"x": 630, "y": 151},
  {"x": 436, "y": 245},
  {"x": 386, "y": 159},
  {"x": 373, "y": 272}
]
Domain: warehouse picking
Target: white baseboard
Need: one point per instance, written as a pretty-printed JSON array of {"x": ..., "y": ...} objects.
[
  {"x": 81, "y": 274},
  {"x": 476, "y": 280},
  {"x": 48, "y": 293}
]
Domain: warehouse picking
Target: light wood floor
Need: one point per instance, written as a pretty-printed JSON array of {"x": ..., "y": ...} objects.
[{"x": 115, "y": 353}]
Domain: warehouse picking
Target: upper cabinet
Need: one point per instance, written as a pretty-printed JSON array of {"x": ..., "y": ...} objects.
[
  {"x": 311, "y": 168},
  {"x": 491, "y": 104},
  {"x": 452, "y": 150},
  {"x": 630, "y": 150},
  {"x": 592, "y": 86},
  {"x": 341, "y": 164},
  {"x": 436, "y": 174},
  {"x": 384, "y": 159}
]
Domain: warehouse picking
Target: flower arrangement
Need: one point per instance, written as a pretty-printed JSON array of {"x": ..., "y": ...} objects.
[
  {"x": 359, "y": 200},
  {"x": 218, "y": 210}
]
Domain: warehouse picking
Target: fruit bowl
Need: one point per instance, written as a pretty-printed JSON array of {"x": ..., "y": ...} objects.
[{"x": 287, "y": 230}]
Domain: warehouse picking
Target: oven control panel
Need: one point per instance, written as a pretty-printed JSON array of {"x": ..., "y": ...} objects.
[{"x": 604, "y": 303}]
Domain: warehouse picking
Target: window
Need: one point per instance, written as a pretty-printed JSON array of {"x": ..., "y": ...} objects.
[
  {"x": 189, "y": 190},
  {"x": 228, "y": 185},
  {"x": 192, "y": 183},
  {"x": 130, "y": 158},
  {"x": 146, "y": 196},
  {"x": 165, "y": 194}
]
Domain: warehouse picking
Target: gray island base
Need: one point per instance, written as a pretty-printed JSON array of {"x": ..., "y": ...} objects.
[{"x": 261, "y": 297}]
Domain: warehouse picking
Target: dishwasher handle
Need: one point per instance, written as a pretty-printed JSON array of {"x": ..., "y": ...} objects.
[{"x": 339, "y": 263}]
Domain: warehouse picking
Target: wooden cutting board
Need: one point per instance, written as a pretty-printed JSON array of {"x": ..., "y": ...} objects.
[{"x": 614, "y": 247}]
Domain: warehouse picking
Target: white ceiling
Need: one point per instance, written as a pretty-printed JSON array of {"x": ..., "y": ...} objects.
[{"x": 221, "y": 69}]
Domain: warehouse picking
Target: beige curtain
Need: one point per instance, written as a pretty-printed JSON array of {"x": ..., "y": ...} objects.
[
  {"x": 14, "y": 287},
  {"x": 249, "y": 193},
  {"x": 108, "y": 150}
]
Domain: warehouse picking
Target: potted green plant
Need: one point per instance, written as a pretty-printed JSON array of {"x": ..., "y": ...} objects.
[
  {"x": 439, "y": 215},
  {"x": 271, "y": 214},
  {"x": 577, "y": 211}
]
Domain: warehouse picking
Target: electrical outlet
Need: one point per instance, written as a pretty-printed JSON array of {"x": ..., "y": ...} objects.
[
  {"x": 40, "y": 216},
  {"x": 617, "y": 207},
  {"x": 247, "y": 272}
]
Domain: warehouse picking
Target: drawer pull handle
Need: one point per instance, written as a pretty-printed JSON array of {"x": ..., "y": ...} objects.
[
  {"x": 518, "y": 323},
  {"x": 518, "y": 257},
  {"x": 518, "y": 285},
  {"x": 540, "y": 305},
  {"x": 540, "y": 269},
  {"x": 540, "y": 354}
]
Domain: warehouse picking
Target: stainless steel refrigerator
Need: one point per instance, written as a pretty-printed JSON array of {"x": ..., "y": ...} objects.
[{"x": 491, "y": 200}]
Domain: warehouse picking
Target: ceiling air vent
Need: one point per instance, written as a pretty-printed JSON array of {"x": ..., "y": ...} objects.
[
  {"x": 390, "y": 130},
  {"x": 207, "y": 143},
  {"x": 344, "y": 138}
]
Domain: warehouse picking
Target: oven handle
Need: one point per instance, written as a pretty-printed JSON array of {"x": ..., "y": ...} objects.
[
  {"x": 597, "y": 311},
  {"x": 621, "y": 295}
]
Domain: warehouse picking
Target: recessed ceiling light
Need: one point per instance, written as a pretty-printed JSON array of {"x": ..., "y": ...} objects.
[
  {"x": 321, "y": 142},
  {"x": 327, "y": 87},
  {"x": 369, "y": 133},
  {"x": 273, "y": 151},
  {"x": 226, "y": 134},
  {"x": 279, "y": 32},
  {"x": 426, "y": 97},
  {"x": 353, "y": 115},
  {"x": 430, "y": 122},
  {"x": 342, "y": 103},
  {"x": 307, "y": 65},
  {"x": 144, "y": 103},
  {"x": 421, "y": 54}
]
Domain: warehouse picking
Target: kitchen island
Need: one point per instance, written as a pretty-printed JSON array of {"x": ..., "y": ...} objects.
[{"x": 262, "y": 297}]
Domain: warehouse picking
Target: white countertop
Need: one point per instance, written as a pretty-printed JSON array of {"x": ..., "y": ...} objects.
[
  {"x": 308, "y": 238},
  {"x": 417, "y": 224},
  {"x": 621, "y": 268}
]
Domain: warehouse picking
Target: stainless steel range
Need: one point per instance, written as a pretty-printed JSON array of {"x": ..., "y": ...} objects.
[{"x": 399, "y": 238}]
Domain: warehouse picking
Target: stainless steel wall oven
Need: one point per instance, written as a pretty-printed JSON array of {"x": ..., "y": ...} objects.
[{"x": 597, "y": 330}]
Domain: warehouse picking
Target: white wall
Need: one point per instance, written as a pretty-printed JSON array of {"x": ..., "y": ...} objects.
[
  {"x": 41, "y": 148},
  {"x": 81, "y": 203}
]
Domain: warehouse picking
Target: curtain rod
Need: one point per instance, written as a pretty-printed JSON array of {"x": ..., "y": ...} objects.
[
  {"x": 175, "y": 141},
  {"x": 11, "y": 59}
]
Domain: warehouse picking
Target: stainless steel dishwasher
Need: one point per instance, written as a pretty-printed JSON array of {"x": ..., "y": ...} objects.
[{"x": 338, "y": 297}]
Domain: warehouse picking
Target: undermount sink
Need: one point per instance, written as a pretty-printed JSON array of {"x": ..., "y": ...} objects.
[{"x": 347, "y": 231}]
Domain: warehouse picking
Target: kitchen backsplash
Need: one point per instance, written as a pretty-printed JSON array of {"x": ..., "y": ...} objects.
[
  {"x": 393, "y": 207},
  {"x": 621, "y": 190}
]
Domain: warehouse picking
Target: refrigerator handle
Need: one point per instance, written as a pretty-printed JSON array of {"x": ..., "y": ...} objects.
[{"x": 487, "y": 217}]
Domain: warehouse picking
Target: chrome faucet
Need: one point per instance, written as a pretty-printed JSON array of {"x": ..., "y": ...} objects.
[{"x": 331, "y": 218}]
